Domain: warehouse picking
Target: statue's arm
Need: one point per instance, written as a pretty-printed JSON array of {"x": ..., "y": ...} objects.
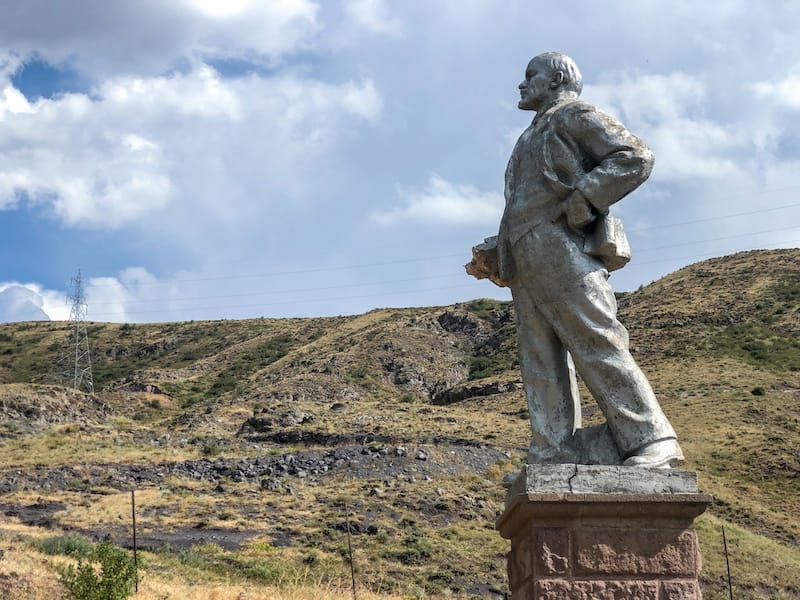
[{"x": 618, "y": 162}]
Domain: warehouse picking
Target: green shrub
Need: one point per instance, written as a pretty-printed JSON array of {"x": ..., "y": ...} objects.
[
  {"x": 115, "y": 580},
  {"x": 416, "y": 550},
  {"x": 66, "y": 545},
  {"x": 210, "y": 447},
  {"x": 210, "y": 557}
]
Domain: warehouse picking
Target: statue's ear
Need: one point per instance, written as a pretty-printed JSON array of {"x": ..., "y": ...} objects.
[{"x": 558, "y": 79}]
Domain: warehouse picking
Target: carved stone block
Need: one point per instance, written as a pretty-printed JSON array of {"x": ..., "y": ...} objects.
[
  {"x": 551, "y": 551},
  {"x": 563, "y": 589},
  {"x": 624, "y": 552}
]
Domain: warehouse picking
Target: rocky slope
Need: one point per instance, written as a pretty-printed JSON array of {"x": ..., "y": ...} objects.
[{"x": 412, "y": 416}]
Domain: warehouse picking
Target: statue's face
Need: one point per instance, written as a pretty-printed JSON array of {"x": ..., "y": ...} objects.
[{"x": 535, "y": 90}]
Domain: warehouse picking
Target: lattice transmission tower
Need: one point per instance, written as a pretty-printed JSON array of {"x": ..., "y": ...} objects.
[{"x": 79, "y": 373}]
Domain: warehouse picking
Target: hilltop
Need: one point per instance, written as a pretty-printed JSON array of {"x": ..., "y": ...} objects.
[{"x": 253, "y": 434}]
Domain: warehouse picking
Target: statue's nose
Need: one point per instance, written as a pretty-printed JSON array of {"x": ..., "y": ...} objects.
[{"x": 522, "y": 85}]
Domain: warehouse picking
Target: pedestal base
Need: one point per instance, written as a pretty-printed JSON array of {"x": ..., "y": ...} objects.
[{"x": 631, "y": 539}]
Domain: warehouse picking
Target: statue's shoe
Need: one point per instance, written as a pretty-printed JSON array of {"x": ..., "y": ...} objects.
[{"x": 662, "y": 454}]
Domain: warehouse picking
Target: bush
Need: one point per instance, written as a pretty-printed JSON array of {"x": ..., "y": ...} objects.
[
  {"x": 66, "y": 545},
  {"x": 115, "y": 581},
  {"x": 210, "y": 447}
]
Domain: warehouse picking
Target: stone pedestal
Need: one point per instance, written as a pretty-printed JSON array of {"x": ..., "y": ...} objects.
[{"x": 590, "y": 532}]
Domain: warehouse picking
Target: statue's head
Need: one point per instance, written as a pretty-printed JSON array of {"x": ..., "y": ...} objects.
[{"x": 549, "y": 77}]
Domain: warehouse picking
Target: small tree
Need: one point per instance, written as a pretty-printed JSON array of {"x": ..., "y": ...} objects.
[{"x": 115, "y": 580}]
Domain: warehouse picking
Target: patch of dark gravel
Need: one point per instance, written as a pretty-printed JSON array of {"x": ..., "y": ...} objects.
[
  {"x": 273, "y": 471},
  {"x": 38, "y": 514}
]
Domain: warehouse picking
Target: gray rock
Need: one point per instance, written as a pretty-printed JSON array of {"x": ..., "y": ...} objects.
[{"x": 601, "y": 479}]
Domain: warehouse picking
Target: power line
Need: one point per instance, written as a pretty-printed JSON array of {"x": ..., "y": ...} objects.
[
  {"x": 713, "y": 254},
  {"x": 382, "y": 294},
  {"x": 386, "y": 282},
  {"x": 729, "y": 237},
  {"x": 448, "y": 256},
  {"x": 288, "y": 302},
  {"x": 286, "y": 291},
  {"x": 299, "y": 272},
  {"x": 359, "y": 296},
  {"x": 715, "y": 218}
]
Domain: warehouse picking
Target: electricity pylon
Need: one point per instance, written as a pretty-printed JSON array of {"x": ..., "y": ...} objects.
[{"x": 80, "y": 376}]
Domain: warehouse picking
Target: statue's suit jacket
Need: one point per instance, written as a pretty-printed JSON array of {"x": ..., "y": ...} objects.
[
  {"x": 571, "y": 146},
  {"x": 566, "y": 309}
]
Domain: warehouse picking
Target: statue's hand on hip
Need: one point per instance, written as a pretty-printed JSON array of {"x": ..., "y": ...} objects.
[{"x": 579, "y": 212}]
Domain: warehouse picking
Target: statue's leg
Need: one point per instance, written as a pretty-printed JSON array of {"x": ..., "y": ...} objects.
[
  {"x": 548, "y": 376},
  {"x": 585, "y": 318}
]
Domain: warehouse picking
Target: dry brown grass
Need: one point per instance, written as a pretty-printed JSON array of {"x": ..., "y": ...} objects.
[
  {"x": 26, "y": 574},
  {"x": 159, "y": 590},
  {"x": 743, "y": 445}
]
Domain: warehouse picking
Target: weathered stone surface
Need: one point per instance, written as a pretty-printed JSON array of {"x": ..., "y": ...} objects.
[
  {"x": 563, "y": 589},
  {"x": 601, "y": 479},
  {"x": 624, "y": 552},
  {"x": 680, "y": 590},
  {"x": 551, "y": 551},
  {"x": 519, "y": 562},
  {"x": 595, "y": 546},
  {"x": 523, "y": 593},
  {"x": 556, "y": 244}
]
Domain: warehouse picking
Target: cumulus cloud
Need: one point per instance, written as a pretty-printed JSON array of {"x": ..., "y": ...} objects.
[
  {"x": 444, "y": 202},
  {"x": 782, "y": 92},
  {"x": 668, "y": 111},
  {"x": 18, "y": 303},
  {"x": 244, "y": 137},
  {"x": 134, "y": 294},
  {"x": 373, "y": 16},
  {"x": 118, "y": 298},
  {"x": 149, "y": 37},
  {"x": 122, "y": 153},
  {"x": 30, "y": 302}
]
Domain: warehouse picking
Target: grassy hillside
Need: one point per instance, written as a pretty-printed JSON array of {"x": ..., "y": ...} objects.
[{"x": 246, "y": 439}]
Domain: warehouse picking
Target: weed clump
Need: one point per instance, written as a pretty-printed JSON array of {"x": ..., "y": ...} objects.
[
  {"x": 114, "y": 581},
  {"x": 65, "y": 545}
]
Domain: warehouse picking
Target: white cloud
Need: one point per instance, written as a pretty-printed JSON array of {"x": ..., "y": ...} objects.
[
  {"x": 30, "y": 302},
  {"x": 206, "y": 176},
  {"x": 18, "y": 303},
  {"x": 220, "y": 9},
  {"x": 9, "y": 64},
  {"x": 443, "y": 202},
  {"x": 362, "y": 100},
  {"x": 783, "y": 92},
  {"x": 668, "y": 112},
  {"x": 648, "y": 99},
  {"x": 149, "y": 37},
  {"x": 117, "y": 299},
  {"x": 138, "y": 144},
  {"x": 134, "y": 294},
  {"x": 13, "y": 102},
  {"x": 373, "y": 16}
]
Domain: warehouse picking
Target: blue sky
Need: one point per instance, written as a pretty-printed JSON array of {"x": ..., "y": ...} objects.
[{"x": 201, "y": 160}]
